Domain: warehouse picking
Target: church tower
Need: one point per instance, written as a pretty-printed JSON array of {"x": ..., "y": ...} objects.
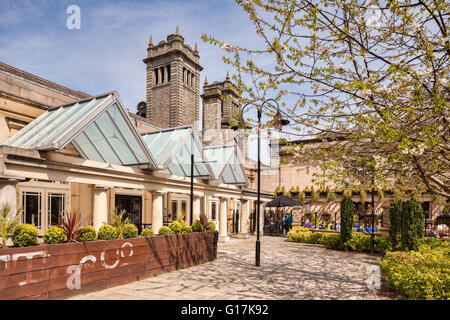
[{"x": 173, "y": 82}]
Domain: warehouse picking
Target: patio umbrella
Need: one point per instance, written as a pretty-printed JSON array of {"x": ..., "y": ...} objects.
[{"x": 283, "y": 201}]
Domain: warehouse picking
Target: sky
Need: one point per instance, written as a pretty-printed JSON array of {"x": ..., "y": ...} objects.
[{"x": 106, "y": 53}]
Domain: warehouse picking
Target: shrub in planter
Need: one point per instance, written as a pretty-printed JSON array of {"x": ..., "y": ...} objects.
[
  {"x": 164, "y": 231},
  {"x": 197, "y": 226},
  {"x": 129, "y": 230},
  {"x": 186, "y": 229},
  {"x": 211, "y": 226},
  {"x": 107, "y": 232},
  {"x": 9, "y": 220},
  {"x": 25, "y": 235},
  {"x": 176, "y": 227},
  {"x": 54, "y": 235},
  {"x": 87, "y": 234},
  {"x": 147, "y": 232}
]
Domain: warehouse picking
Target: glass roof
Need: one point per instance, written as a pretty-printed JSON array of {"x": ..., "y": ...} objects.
[
  {"x": 226, "y": 165},
  {"x": 172, "y": 150},
  {"x": 98, "y": 128}
]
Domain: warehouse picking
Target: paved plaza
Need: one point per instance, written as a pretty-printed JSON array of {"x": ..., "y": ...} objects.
[{"x": 288, "y": 271}]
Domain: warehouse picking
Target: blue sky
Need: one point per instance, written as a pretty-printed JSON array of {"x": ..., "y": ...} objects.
[{"x": 106, "y": 53}]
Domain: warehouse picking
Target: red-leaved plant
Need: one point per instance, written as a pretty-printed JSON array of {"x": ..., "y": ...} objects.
[{"x": 70, "y": 224}]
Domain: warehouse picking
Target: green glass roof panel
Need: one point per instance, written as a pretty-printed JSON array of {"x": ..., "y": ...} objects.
[
  {"x": 99, "y": 128},
  {"x": 71, "y": 117}
]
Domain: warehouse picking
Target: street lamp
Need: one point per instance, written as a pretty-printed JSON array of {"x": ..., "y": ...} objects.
[{"x": 258, "y": 214}]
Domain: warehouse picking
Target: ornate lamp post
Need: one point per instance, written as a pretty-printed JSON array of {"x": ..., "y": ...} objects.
[{"x": 258, "y": 214}]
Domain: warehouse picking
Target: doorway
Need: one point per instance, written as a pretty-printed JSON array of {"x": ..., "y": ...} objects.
[{"x": 133, "y": 207}]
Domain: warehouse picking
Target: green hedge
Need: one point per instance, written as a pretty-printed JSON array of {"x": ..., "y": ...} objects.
[
  {"x": 358, "y": 241},
  {"x": 422, "y": 274}
]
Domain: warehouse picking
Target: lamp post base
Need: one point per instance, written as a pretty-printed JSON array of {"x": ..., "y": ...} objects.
[{"x": 258, "y": 253}]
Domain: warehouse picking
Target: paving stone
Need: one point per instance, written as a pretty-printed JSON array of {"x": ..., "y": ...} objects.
[{"x": 289, "y": 271}]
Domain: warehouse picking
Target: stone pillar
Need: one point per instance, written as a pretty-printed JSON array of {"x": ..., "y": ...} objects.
[
  {"x": 100, "y": 216},
  {"x": 196, "y": 210},
  {"x": 8, "y": 193},
  {"x": 223, "y": 223},
  {"x": 157, "y": 211},
  {"x": 243, "y": 219}
]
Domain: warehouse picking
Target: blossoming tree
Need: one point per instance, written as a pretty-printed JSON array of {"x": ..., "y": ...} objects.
[{"x": 367, "y": 77}]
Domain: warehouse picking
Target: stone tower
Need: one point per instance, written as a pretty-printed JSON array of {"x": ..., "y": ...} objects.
[
  {"x": 220, "y": 105},
  {"x": 173, "y": 82}
]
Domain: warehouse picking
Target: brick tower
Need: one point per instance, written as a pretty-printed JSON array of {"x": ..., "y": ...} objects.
[{"x": 173, "y": 82}]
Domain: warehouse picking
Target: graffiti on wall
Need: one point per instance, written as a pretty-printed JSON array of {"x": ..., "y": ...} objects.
[{"x": 74, "y": 270}]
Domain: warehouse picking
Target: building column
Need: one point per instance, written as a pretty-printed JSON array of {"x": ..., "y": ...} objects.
[
  {"x": 196, "y": 209},
  {"x": 223, "y": 223},
  {"x": 243, "y": 219},
  {"x": 157, "y": 211},
  {"x": 8, "y": 193},
  {"x": 100, "y": 216}
]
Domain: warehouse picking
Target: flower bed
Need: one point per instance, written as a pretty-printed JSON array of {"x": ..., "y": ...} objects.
[{"x": 55, "y": 271}]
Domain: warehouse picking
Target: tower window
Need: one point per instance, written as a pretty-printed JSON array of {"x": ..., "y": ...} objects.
[
  {"x": 156, "y": 76},
  {"x": 168, "y": 73},
  {"x": 184, "y": 74},
  {"x": 192, "y": 80},
  {"x": 162, "y": 74}
]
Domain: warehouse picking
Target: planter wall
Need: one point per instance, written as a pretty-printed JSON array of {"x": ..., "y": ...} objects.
[{"x": 62, "y": 270}]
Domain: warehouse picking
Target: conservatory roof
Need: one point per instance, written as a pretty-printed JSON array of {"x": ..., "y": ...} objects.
[
  {"x": 99, "y": 129},
  {"x": 226, "y": 164},
  {"x": 171, "y": 149}
]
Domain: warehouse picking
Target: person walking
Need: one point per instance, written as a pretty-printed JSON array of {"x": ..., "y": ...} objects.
[{"x": 288, "y": 222}]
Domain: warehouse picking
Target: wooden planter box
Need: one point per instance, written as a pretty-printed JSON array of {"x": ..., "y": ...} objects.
[{"x": 62, "y": 270}]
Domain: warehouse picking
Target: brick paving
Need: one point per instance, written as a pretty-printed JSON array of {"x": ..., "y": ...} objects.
[{"x": 288, "y": 271}]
